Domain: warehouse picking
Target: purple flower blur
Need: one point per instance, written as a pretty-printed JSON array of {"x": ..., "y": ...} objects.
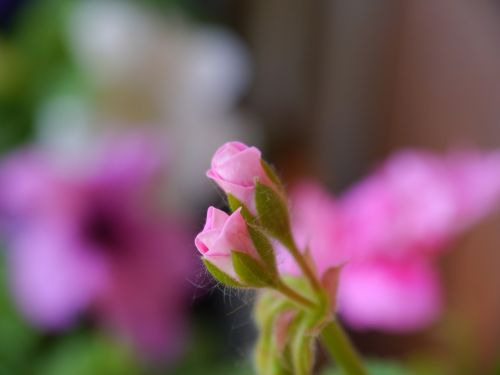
[{"x": 87, "y": 238}]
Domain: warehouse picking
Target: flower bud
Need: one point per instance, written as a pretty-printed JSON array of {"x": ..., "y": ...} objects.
[
  {"x": 235, "y": 168},
  {"x": 221, "y": 235},
  {"x": 229, "y": 250}
]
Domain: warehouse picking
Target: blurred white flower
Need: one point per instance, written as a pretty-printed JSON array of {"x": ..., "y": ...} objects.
[
  {"x": 63, "y": 125},
  {"x": 181, "y": 79}
]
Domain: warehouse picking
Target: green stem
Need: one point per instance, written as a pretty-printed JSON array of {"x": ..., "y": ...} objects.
[
  {"x": 294, "y": 296},
  {"x": 340, "y": 347},
  {"x": 303, "y": 264}
]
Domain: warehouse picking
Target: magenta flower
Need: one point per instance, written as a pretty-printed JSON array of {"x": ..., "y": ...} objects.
[
  {"x": 221, "y": 235},
  {"x": 418, "y": 201},
  {"x": 392, "y": 295},
  {"x": 389, "y": 228},
  {"x": 87, "y": 239},
  {"x": 235, "y": 167}
]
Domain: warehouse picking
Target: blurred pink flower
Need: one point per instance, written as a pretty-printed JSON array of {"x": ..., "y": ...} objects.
[
  {"x": 417, "y": 201},
  {"x": 392, "y": 295},
  {"x": 88, "y": 239},
  {"x": 221, "y": 235},
  {"x": 390, "y": 227}
]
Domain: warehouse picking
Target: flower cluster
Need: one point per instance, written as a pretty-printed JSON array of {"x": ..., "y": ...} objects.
[
  {"x": 368, "y": 255},
  {"x": 240, "y": 250}
]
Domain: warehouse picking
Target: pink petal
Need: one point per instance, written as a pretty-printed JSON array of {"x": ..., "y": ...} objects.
[
  {"x": 215, "y": 219},
  {"x": 235, "y": 234},
  {"x": 129, "y": 160},
  {"x": 243, "y": 193},
  {"x": 224, "y": 263},
  {"x": 315, "y": 227},
  {"x": 53, "y": 282},
  {"x": 394, "y": 296},
  {"x": 226, "y": 152},
  {"x": 242, "y": 168},
  {"x": 208, "y": 243},
  {"x": 418, "y": 202},
  {"x": 146, "y": 296}
]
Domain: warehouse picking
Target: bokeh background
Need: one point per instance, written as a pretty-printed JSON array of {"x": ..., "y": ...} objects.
[{"x": 326, "y": 88}]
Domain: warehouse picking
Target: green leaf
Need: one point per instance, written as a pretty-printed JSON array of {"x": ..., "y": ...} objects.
[
  {"x": 250, "y": 271},
  {"x": 221, "y": 276},
  {"x": 272, "y": 211},
  {"x": 233, "y": 202},
  {"x": 264, "y": 248}
]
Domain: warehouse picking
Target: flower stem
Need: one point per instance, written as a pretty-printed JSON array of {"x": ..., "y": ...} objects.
[
  {"x": 303, "y": 264},
  {"x": 340, "y": 347},
  {"x": 293, "y": 295}
]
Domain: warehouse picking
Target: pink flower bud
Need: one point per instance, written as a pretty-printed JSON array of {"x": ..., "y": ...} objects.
[
  {"x": 235, "y": 167},
  {"x": 221, "y": 235}
]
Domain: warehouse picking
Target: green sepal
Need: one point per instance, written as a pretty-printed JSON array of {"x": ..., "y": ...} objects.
[
  {"x": 251, "y": 271},
  {"x": 271, "y": 173},
  {"x": 323, "y": 312},
  {"x": 268, "y": 304},
  {"x": 221, "y": 276},
  {"x": 265, "y": 249},
  {"x": 234, "y": 203},
  {"x": 272, "y": 211},
  {"x": 267, "y": 359},
  {"x": 301, "y": 345},
  {"x": 297, "y": 356},
  {"x": 330, "y": 282}
]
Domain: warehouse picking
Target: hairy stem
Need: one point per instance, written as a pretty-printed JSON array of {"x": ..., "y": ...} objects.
[
  {"x": 294, "y": 296},
  {"x": 340, "y": 347},
  {"x": 303, "y": 264}
]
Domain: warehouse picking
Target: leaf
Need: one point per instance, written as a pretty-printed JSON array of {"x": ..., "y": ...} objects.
[
  {"x": 233, "y": 202},
  {"x": 264, "y": 248},
  {"x": 250, "y": 271},
  {"x": 221, "y": 276},
  {"x": 272, "y": 211}
]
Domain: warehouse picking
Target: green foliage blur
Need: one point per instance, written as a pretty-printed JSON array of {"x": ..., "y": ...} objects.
[
  {"x": 32, "y": 58},
  {"x": 35, "y": 63}
]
